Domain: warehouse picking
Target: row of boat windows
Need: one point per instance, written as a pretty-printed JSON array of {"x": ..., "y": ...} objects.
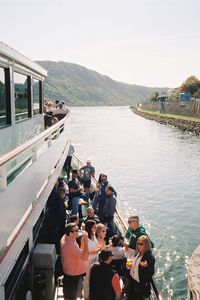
[{"x": 27, "y": 93}]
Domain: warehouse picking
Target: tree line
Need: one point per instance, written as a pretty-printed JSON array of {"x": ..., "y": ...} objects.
[{"x": 191, "y": 84}]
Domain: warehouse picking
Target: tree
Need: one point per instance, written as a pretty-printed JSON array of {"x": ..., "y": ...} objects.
[
  {"x": 153, "y": 96},
  {"x": 173, "y": 95},
  {"x": 197, "y": 94},
  {"x": 191, "y": 84}
]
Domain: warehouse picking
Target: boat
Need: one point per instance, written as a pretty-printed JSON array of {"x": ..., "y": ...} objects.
[
  {"x": 31, "y": 160},
  {"x": 194, "y": 275}
]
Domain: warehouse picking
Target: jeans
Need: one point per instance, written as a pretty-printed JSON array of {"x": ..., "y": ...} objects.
[{"x": 75, "y": 202}]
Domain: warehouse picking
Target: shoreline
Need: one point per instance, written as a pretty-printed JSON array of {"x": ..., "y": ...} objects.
[{"x": 182, "y": 124}]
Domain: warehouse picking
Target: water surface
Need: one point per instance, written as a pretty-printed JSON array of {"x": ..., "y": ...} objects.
[{"x": 155, "y": 170}]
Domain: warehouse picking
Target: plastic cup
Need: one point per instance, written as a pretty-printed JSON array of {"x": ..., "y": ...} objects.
[{"x": 129, "y": 263}]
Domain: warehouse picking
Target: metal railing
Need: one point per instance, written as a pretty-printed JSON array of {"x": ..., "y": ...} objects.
[
  {"x": 31, "y": 149},
  {"x": 194, "y": 295},
  {"x": 155, "y": 294}
]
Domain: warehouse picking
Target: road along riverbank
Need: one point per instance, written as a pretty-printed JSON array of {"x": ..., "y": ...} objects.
[{"x": 181, "y": 122}]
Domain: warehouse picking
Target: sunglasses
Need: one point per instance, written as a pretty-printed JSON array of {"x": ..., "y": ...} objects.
[
  {"x": 133, "y": 221},
  {"x": 140, "y": 244}
]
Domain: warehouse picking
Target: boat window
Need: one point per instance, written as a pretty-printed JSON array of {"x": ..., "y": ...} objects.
[
  {"x": 4, "y": 97},
  {"x": 36, "y": 96},
  {"x": 22, "y": 96}
]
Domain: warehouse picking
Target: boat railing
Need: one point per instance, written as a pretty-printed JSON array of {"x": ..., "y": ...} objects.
[
  {"x": 155, "y": 295},
  {"x": 16, "y": 160},
  {"x": 194, "y": 295}
]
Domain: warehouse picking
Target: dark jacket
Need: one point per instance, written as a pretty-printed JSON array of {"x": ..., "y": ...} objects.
[
  {"x": 101, "y": 282},
  {"x": 145, "y": 274},
  {"x": 110, "y": 206}
]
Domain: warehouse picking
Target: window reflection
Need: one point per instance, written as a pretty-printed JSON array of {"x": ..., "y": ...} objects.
[
  {"x": 21, "y": 96},
  {"x": 36, "y": 96},
  {"x": 3, "y": 114}
]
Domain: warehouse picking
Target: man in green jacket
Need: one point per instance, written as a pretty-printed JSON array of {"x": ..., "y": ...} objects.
[{"x": 134, "y": 231}]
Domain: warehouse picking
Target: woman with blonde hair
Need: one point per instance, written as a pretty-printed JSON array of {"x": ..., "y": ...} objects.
[
  {"x": 100, "y": 235},
  {"x": 141, "y": 271}
]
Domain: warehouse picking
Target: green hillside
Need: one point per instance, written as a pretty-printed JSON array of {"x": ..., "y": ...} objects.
[{"x": 78, "y": 85}]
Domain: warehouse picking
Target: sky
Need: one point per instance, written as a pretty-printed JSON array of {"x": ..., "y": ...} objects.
[{"x": 146, "y": 42}]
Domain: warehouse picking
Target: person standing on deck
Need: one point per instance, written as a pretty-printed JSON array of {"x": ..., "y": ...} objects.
[
  {"x": 67, "y": 164},
  {"x": 104, "y": 280},
  {"x": 141, "y": 271},
  {"x": 73, "y": 260},
  {"x": 86, "y": 173},
  {"x": 109, "y": 208},
  {"x": 99, "y": 200},
  {"x": 74, "y": 192}
]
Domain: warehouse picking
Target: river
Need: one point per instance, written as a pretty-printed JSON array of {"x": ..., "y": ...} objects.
[{"x": 155, "y": 170}]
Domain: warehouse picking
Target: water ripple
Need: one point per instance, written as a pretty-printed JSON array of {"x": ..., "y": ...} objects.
[{"x": 155, "y": 170}]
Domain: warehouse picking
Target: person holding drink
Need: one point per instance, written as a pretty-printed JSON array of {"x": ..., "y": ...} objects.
[{"x": 141, "y": 271}]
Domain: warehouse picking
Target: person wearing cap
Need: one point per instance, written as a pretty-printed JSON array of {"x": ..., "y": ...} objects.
[
  {"x": 104, "y": 280},
  {"x": 109, "y": 207},
  {"x": 86, "y": 173}
]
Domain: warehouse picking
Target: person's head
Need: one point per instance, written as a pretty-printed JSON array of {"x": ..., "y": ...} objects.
[
  {"x": 100, "y": 230},
  {"x": 61, "y": 192},
  {"x": 90, "y": 227},
  {"x": 90, "y": 212},
  {"x": 88, "y": 163},
  {"x": 74, "y": 219},
  {"x": 74, "y": 174},
  {"x": 116, "y": 241},
  {"x": 106, "y": 256},
  {"x": 100, "y": 178},
  {"x": 143, "y": 244},
  {"x": 133, "y": 222},
  {"x": 109, "y": 190},
  {"x": 71, "y": 230},
  {"x": 50, "y": 106},
  {"x": 61, "y": 182},
  {"x": 104, "y": 178},
  {"x": 60, "y": 105}
]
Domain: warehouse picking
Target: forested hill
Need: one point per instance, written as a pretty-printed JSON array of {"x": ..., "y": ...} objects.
[{"x": 78, "y": 85}]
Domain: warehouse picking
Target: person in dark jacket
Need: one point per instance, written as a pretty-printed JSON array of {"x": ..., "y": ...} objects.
[
  {"x": 141, "y": 271},
  {"x": 109, "y": 208},
  {"x": 104, "y": 280}
]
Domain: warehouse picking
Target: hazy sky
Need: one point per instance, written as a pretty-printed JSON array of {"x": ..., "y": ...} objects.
[{"x": 145, "y": 42}]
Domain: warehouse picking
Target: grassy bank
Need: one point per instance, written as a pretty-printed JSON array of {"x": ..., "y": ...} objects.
[
  {"x": 183, "y": 123},
  {"x": 156, "y": 113}
]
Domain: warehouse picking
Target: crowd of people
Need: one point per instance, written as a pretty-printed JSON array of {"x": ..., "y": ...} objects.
[
  {"x": 54, "y": 112},
  {"x": 108, "y": 265}
]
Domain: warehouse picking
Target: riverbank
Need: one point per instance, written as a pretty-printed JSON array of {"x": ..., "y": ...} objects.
[{"x": 181, "y": 122}]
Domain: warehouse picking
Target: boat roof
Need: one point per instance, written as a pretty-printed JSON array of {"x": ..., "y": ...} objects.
[{"x": 10, "y": 53}]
